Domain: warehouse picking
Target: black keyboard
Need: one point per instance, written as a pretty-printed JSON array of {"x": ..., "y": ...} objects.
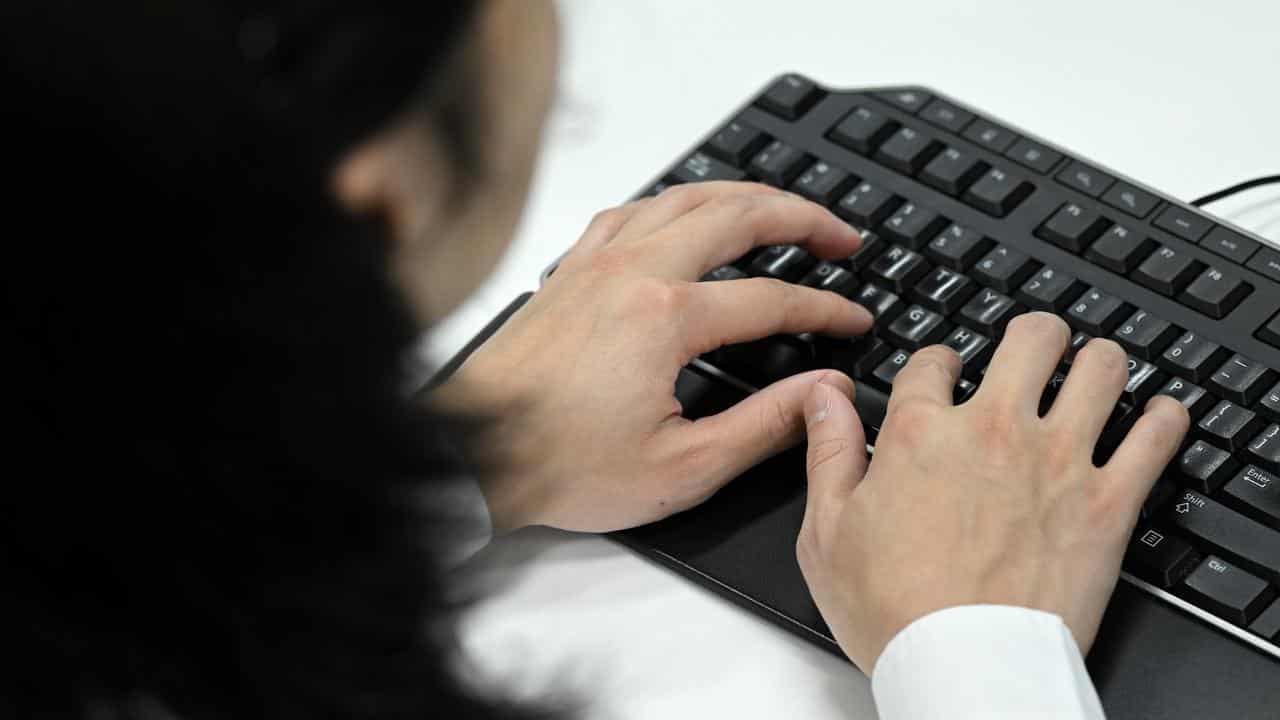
[{"x": 969, "y": 222}]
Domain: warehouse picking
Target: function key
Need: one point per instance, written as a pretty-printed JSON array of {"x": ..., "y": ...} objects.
[
  {"x": 1032, "y": 154},
  {"x": 1270, "y": 333},
  {"x": 958, "y": 247},
  {"x": 736, "y": 143},
  {"x": 1130, "y": 199},
  {"x": 1215, "y": 293},
  {"x": 1145, "y": 335},
  {"x": 1097, "y": 312},
  {"x": 952, "y": 171},
  {"x": 1193, "y": 357},
  {"x": 863, "y": 130},
  {"x": 990, "y": 136},
  {"x": 1229, "y": 244},
  {"x": 1242, "y": 380},
  {"x": 822, "y": 183},
  {"x": 1004, "y": 268},
  {"x": 1167, "y": 271},
  {"x": 1050, "y": 290},
  {"x": 700, "y": 167},
  {"x": 1183, "y": 223},
  {"x": 1119, "y": 250},
  {"x": 913, "y": 225},
  {"x": 898, "y": 269},
  {"x": 867, "y": 205},
  {"x": 946, "y": 116},
  {"x": 779, "y": 163},
  {"x": 789, "y": 96},
  {"x": 1073, "y": 228},
  {"x": 909, "y": 100},
  {"x": 784, "y": 262},
  {"x": 1088, "y": 180},
  {"x": 907, "y": 151},
  {"x": 998, "y": 192},
  {"x": 1266, "y": 262}
]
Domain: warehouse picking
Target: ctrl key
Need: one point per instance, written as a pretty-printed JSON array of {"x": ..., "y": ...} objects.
[{"x": 1227, "y": 591}]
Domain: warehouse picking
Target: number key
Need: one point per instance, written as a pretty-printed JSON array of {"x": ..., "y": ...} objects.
[
  {"x": 1193, "y": 357},
  {"x": 1145, "y": 335}
]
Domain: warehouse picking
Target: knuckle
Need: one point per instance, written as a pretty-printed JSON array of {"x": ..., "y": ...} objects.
[
  {"x": 825, "y": 451},
  {"x": 654, "y": 295}
]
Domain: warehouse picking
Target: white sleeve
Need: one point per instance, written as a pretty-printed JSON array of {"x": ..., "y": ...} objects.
[{"x": 984, "y": 661}]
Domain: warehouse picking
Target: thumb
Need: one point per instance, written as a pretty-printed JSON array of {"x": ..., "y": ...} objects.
[
  {"x": 759, "y": 427},
  {"x": 836, "y": 458}
]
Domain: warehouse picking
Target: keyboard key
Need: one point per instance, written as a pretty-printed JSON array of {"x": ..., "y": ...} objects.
[
  {"x": 1183, "y": 223},
  {"x": 944, "y": 290},
  {"x": 952, "y": 171},
  {"x": 1242, "y": 380},
  {"x": 822, "y": 183},
  {"x": 898, "y": 269},
  {"x": 973, "y": 348},
  {"x": 958, "y": 247},
  {"x": 872, "y": 246},
  {"x": 1266, "y": 262},
  {"x": 883, "y": 305},
  {"x": 989, "y": 135},
  {"x": 1167, "y": 271},
  {"x": 1230, "y": 426},
  {"x": 1131, "y": 200},
  {"x": 997, "y": 192},
  {"x": 1227, "y": 591},
  {"x": 1004, "y": 268},
  {"x": 828, "y": 276},
  {"x": 1159, "y": 558},
  {"x": 1032, "y": 154},
  {"x": 1088, "y": 180},
  {"x": 784, "y": 262},
  {"x": 946, "y": 116},
  {"x": 962, "y": 391},
  {"x": 907, "y": 151},
  {"x": 1050, "y": 394},
  {"x": 1119, "y": 250},
  {"x": 1264, "y": 450},
  {"x": 1193, "y": 357},
  {"x": 1269, "y": 405},
  {"x": 867, "y": 205},
  {"x": 1073, "y": 228},
  {"x": 916, "y": 328},
  {"x": 863, "y": 130},
  {"x": 988, "y": 312},
  {"x": 1050, "y": 290},
  {"x": 1205, "y": 467},
  {"x": 859, "y": 356},
  {"x": 909, "y": 100},
  {"x": 1255, "y": 492},
  {"x": 700, "y": 167},
  {"x": 736, "y": 143},
  {"x": 1075, "y": 345},
  {"x": 1145, "y": 335},
  {"x": 765, "y": 361},
  {"x": 789, "y": 97},
  {"x": 1144, "y": 381},
  {"x": 1270, "y": 333},
  {"x": 1097, "y": 312},
  {"x": 913, "y": 226},
  {"x": 724, "y": 272},
  {"x": 1268, "y": 623},
  {"x": 1250, "y": 543},
  {"x": 1229, "y": 244},
  {"x": 888, "y": 370},
  {"x": 1194, "y": 398},
  {"x": 778, "y": 164},
  {"x": 1215, "y": 292}
]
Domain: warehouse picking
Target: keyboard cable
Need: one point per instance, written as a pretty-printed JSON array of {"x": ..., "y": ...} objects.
[{"x": 1236, "y": 189}]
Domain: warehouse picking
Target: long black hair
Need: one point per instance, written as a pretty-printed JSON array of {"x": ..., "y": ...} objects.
[{"x": 214, "y": 488}]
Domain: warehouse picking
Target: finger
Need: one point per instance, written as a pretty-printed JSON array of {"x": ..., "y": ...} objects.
[
  {"x": 723, "y": 229},
  {"x": 677, "y": 201},
  {"x": 930, "y": 377},
  {"x": 1146, "y": 450},
  {"x": 604, "y": 227},
  {"x": 1024, "y": 362},
  {"x": 765, "y": 423},
  {"x": 836, "y": 456},
  {"x": 1084, "y": 404},
  {"x": 733, "y": 311}
]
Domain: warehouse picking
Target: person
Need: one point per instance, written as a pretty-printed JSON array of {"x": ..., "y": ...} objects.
[{"x": 221, "y": 502}]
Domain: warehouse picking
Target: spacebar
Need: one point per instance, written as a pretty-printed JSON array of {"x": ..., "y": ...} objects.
[{"x": 871, "y": 404}]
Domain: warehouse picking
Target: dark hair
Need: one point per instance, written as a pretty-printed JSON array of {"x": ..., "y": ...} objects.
[{"x": 214, "y": 485}]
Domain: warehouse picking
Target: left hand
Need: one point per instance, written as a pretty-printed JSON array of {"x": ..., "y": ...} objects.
[{"x": 577, "y": 388}]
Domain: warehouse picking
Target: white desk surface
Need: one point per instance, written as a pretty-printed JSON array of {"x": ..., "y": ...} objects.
[{"x": 1179, "y": 95}]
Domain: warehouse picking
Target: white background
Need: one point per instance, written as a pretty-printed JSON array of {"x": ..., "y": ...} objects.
[{"x": 1182, "y": 96}]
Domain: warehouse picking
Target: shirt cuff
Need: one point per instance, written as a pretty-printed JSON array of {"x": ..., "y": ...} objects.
[{"x": 984, "y": 661}]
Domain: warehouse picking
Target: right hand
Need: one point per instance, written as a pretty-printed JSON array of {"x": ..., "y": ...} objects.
[{"x": 982, "y": 503}]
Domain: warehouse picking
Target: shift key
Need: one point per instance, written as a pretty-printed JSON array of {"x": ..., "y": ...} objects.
[{"x": 1252, "y": 545}]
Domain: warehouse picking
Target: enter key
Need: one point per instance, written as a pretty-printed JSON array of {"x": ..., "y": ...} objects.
[
  {"x": 1255, "y": 492},
  {"x": 1250, "y": 544}
]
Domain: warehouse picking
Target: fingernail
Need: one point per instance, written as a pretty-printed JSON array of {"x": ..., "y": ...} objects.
[{"x": 819, "y": 403}]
